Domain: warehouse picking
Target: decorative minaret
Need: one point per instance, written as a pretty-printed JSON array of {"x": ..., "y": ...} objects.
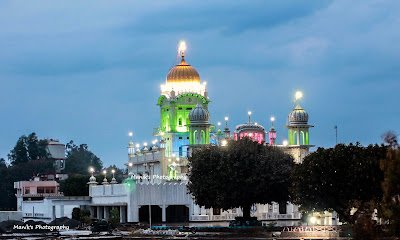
[
  {"x": 199, "y": 128},
  {"x": 227, "y": 132},
  {"x": 298, "y": 131},
  {"x": 272, "y": 133}
]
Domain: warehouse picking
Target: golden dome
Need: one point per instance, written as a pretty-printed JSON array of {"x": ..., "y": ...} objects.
[{"x": 183, "y": 72}]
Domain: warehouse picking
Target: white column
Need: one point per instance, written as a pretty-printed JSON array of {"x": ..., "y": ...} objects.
[
  {"x": 61, "y": 210},
  {"x": 106, "y": 212},
  {"x": 164, "y": 213},
  {"x": 99, "y": 212}
]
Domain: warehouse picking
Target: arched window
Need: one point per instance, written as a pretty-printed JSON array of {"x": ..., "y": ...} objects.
[
  {"x": 180, "y": 121},
  {"x": 302, "y": 138},
  {"x": 295, "y": 138},
  {"x": 203, "y": 137},
  {"x": 195, "y": 137}
]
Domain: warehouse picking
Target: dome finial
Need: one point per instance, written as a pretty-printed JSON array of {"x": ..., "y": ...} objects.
[
  {"x": 249, "y": 112},
  {"x": 182, "y": 49}
]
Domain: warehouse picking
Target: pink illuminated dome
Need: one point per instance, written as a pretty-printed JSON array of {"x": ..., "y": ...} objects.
[{"x": 251, "y": 130}]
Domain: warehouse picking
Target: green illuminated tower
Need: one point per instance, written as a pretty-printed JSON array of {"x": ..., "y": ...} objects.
[{"x": 181, "y": 93}]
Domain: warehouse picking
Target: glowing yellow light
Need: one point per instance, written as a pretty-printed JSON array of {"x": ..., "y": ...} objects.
[
  {"x": 313, "y": 220},
  {"x": 182, "y": 47},
  {"x": 130, "y": 134},
  {"x": 226, "y": 118},
  {"x": 224, "y": 142},
  {"x": 285, "y": 142},
  {"x": 105, "y": 172},
  {"x": 91, "y": 169},
  {"x": 169, "y": 160},
  {"x": 138, "y": 145},
  {"x": 130, "y": 164},
  {"x": 145, "y": 144},
  {"x": 249, "y": 112},
  {"x": 219, "y": 123},
  {"x": 272, "y": 119},
  {"x": 298, "y": 95},
  {"x": 113, "y": 171},
  {"x": 255, "y": 124}
]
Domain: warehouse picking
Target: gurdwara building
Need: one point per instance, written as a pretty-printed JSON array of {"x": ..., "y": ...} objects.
[{"x": 157, "y": 172}]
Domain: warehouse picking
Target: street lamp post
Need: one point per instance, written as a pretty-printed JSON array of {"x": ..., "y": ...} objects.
[{"x": 148, "y": 166}]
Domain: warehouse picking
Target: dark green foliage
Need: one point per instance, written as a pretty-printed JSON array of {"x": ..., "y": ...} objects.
[
  {"x": 75, "y": 185},
  {"x": 391, "y": 185},
  {"x": 114, "y": 218},
  {"x": 239, "y": 175},
  {"x": 27, "y": 149},
  {"x": 80, "y": 159},
  {"x": 20, "y": 172},
  {"x": 3, "y": 163},
  {"x": 340, "y": 178}
]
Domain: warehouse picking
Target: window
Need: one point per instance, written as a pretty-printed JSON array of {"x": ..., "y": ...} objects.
[
  {"x": 180, "y": 137},
  {"x": 180, "y": 151},
  {"x": 188, "y": 108},
  {"x": 180, "y": 121},
  {"x": 187, "y": 138},
  {"x": 216, "y": 211},
  {"x": 180, "y": 108},
  {"x": 27, "y": 191}
]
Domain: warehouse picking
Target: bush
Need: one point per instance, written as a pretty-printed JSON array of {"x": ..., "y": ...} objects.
[{"x": 114, "y": 218}]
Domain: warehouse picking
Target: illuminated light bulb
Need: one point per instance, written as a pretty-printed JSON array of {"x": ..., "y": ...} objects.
[
  {"x": 313, "y": 220},
  {"x": 145, "y": 144},
  {"x": 298, "y": 95},
  {"x": 113, "y": 171},
  {"x": 272, "y": 119},
  {"x": 226, "y": 118},
  {"x": 91, "y": 169},
  {"x": 249, "y": 112},
  {"x": 219, "y": 123},
  {"x": 182, "y": 48},
  {"x": 224, "y": 142},
  {"x": 255, "y": 123},
  {"x": 130, "y": 164},
  {"x": 155, "y": 140},
  {"x": 130, "y": 134},
  {"x": 285, "y": 143},
  {"x": 204, "y": 83},
  {"x": 169, "y": 160},
  {"x": 138, "y": 145}
]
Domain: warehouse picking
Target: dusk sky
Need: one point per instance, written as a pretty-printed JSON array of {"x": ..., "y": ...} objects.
[{"x": 90, "y": 71}]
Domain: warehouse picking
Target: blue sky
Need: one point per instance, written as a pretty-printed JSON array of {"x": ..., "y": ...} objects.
[{"x": 90, "y": 71}]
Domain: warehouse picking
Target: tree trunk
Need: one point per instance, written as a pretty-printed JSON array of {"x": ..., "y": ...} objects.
[{"x": 246, "y": 212}]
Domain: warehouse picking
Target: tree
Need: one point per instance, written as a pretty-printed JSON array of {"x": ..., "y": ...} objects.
[
  {"x": 19, "y": 154},
  {"x": 36, "y": 148},
  {"x": 239, "y": 175},
  {"x": 2, "y": 163},
  {"x": 75, "y": 185},
  {"x": 391, "y": 184},
  {"x": 339, "y": 179},
  {"x": 80, "y": 158},
  {"x": 27, "y": 149}
]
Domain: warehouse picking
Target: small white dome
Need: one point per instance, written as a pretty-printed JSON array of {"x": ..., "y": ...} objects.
[
  {"x": 199, "y": 115},
  {"x": 298, "y": 116}
]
